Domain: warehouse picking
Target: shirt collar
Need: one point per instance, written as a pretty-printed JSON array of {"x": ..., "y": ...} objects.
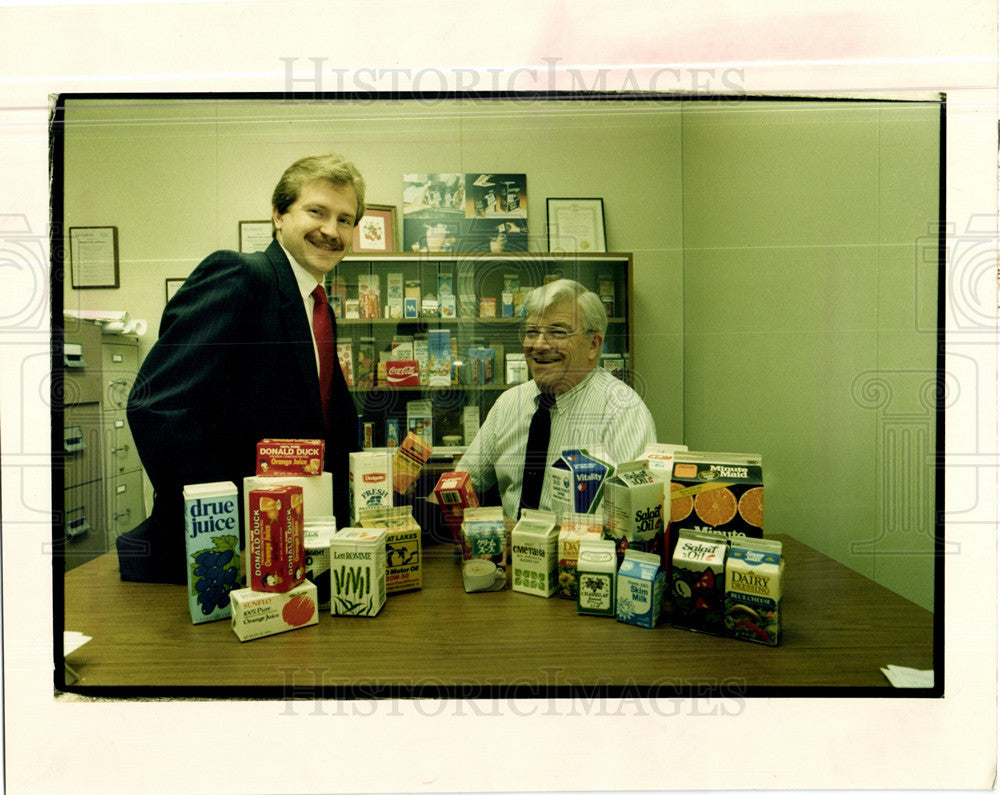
[
  {"x": 305, "y": 280},
  {"x": 567, "y": 397}
]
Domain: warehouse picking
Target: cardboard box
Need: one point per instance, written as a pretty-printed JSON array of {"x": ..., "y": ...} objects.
[
  {"x": 454, "y": 493},
  {"x": 470, "y": 423},
  {"x": 403, "y": 549},
  {"x": 256, "y": 614},
  {"x": 357, "y": 572},
  {"x": 698, "y": 581},
  {"x": 317, "y": 533},
  {"x": 370, "y": 476},
  {"x": 411, "y": 298},
  {"x": 317, "y": 492},
  {"x": 484, "y": 550},
  {"x": 402, "y": 372},
  {"x": 408, "y": 460},
  {"x": 365, "y": 375},
  {"x": 487, "y": 307},
  {"x": 212, "y": 541},
  {"x": 517, "y": 368},
  {"x": 369, "y": 294},
  {"x": 577, "y": 481},
  {"x": 574, "y": 529},
  {"x": 640, "y": 589},
  {"x": 533, "y": 560},
  {"x": 276, "y": 552},
  {"x": 596, "y": 571},
  {"x": 290, "y": 456},
  {"x": 754, "y": 571},
  {"x": 633, "y": 509}
]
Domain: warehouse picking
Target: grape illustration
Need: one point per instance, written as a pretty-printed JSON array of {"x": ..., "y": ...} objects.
[{"x": 214, "y": 573}]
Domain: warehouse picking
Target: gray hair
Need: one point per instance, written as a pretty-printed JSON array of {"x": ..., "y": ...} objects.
[{"x": 592, "y": 313}]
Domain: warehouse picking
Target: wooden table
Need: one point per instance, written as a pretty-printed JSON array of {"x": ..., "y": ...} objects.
[{"x": 839, "y": 628}]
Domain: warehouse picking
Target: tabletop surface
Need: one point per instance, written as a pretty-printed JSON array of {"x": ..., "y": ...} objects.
[{"x": 838, "y": 629}]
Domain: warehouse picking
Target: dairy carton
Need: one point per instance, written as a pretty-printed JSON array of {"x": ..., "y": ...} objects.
[
  {"x": 633, "y": 509},
  {"x": 212, "y": 541},
  {"x": 370, "y": 475},
  {"x": 484, "y": 550},
  {"x": 403, "y": 549},
  {"x": 577, "y": 480},
  {"x": 575, "y": 528},
  {"x": 640, "y": 589},
  {"x": 357, "y": 571},
  {"x": 256, "y": 614},
  {"x": 753, "y": 590},
  {"x": 276, "y": 552},
  {"x": 697, "y": 582},
  {"x": 596, "y": 569},
  {"x": 533, "y": 561},
  {"x": 290, "y": 456},
  {"x": 317, "y": 533}
]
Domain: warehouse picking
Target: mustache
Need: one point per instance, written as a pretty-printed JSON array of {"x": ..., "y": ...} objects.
[{"x": 318, "y": 238}]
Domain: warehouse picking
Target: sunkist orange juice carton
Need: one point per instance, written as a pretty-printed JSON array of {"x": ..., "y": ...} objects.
[
  {"x": 256, "y": 614},
  {"x": 370, "y": 476},
  {"x": 212, "y": 540},
  {"x": 633, "y": 509},
  {"x": 276, "y": 553},
  {"x": 403, "y": 548},
  {"x": 290, "y": 456},
  {"x": 574, "y": 528}
]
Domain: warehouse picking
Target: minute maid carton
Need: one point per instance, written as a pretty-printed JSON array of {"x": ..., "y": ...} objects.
[
  {"x": 357, "y": 571},
  {"x": 212, "y": 539},
  {"x": 577, "y": 480}
]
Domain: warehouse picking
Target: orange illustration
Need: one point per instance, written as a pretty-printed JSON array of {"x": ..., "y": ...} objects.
[
  {"x": 715, "y": 507},
  {"x": 298, "y": 610},
  {"x": 681, "y": 508},
  {"x": 752, "y": 506}
]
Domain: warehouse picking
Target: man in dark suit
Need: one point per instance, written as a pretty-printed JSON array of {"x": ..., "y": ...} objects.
[{"x": 237, "y": 361}]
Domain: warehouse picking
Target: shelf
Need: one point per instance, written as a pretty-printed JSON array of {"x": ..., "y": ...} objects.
[{"x": 444, "y": 321}]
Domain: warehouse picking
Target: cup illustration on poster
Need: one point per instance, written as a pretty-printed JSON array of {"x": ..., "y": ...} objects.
[{"x": 433, "y": 211}]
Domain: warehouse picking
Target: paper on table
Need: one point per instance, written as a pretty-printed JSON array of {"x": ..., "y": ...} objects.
[
  {"x": 899, "y": 676},
  {"x": 73, "y": 641}
]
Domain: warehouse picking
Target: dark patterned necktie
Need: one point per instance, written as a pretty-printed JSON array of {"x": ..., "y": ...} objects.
[
  {"x": 323, "y": 332},
  {"x": 535, "y": 457}
]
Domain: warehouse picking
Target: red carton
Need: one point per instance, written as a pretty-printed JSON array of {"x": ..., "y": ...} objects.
[
  {"x": 290, "y": 457},
  {"x": 402, "y": 372},
  {"x": 454, "y": 493},
  {"x": 276, "y": 557}
]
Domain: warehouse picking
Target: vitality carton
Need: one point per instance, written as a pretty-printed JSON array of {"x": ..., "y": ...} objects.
[
  {"x": 575, "y": 528},
  {"x": 484, "y": 550},
  {"x": 697, "y": 582},
  {"x": 640, "y": 589},
  {"x": 403, "y": 549},
  {"x": 212, "y": 541},
  {"x": 577, "y": 480},
  {"x": 290, "y": 456},
  {"x": 753, "y": 590},
  {"x": 276, "y": 550},
  {"x": 357, "y": 571},
  {"x": 633, "y": 509},
  {"x": 370, "y": 475},
  {"x": 317, "y": 532},
  {"x": 256, "y": 614},
  {"x": 596, "y": 571},
  {"x": 533, "y": 561}
]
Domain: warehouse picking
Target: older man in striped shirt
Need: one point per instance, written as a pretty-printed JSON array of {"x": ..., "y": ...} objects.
[{"x": 569, "y": 398}]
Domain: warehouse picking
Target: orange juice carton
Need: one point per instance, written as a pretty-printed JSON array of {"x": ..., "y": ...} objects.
[
  {"x": 577, "y": 480},
  {"x": 256, "y": 614},
  {"x": 454, "y": 493},
  {"x": 357, "y": 571},
  {"x": 575, "y": 528},
  {"x": 290, "y": 456},
  {"x": 596, "y": 570},
  {"x": 660, "y": 458},
  {"x": 317, "y": 532},
  {"x": 276, "y": 555},
  {"x": 370, "y": 476},
  {"x": 212, "y": 540},
  {"x": 753, "y": 590},
  {"x": 697, "y": 581},
  {"x": 633, "y": 509},
  {"x": 719, "y": 493},
  {"x": 317, "y": 491},
  {"x": 533, "y": 561},
  {"x": 403, "y": 547},
  {"x": 640, "y": 589},
  {"x": 408, "y": 460},
  {"x": 484, "y": 550}
]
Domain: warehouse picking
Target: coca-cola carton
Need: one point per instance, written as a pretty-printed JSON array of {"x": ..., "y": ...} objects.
[
  {"x": 402, "y": 372},
  {"x": 275, "y": 539}
]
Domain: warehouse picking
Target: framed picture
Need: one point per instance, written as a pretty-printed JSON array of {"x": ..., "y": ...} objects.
[
  {"x": 93, "y": 254},
  {"x": 173, "y": 285},
  {"x": 576, "y": 225},
  {"x": 254, "y": 235},
  {"x": 376, "y": 230}
]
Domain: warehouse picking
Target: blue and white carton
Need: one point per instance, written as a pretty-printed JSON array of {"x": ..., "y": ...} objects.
[
  {"x": 212, "y": 542},
  {"x": 640, "y": 586},
  {"x": 577, "y": 480}
]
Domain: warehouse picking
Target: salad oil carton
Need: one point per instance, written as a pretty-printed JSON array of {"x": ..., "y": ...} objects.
[
  {"x": 318, "y": 531},
  {"x": 575, "y": 527},
  {"x": 633, "y": 509},
  {"x": 212, "y": 540},
  {"x": 753, "y": 590},
  {"x": 357, "y": 571},
  {"x": 640, "y": 589},
  {"x": 533, "y": 561},
  {"x": 698, "y": 581},
  {"x": 276, "y": 552},
  {"x": 256, "y": 614},
  {"x": 370, "y": 476},
  {"x": 484, "y": 550},
  {"x": 596, "y": 570},
  {"x": 403, "y": 548},
  {"x": 577, "y": 480}
]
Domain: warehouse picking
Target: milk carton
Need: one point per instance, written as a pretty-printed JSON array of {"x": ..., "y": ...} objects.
[
  {"x": 753, "y": 590},
  {"x": 370, "y": 476},
  {"x": 633, "y": 509},
  {"x": 596, "y": 569},
  {"x": 575, "y": 528},
  {"x": 577, "y": 480},
  {"x": 640, "y": 589},
  {"x": 276, "y": 552},
  {"x": 697, "y": 582},
  {"x": 484, "y": 550},
  {"x": 317, "y": 533},
  {"x": 357, "y": 571},
  {"x": 533, "y": 559},
  {"x": 403, "y": 548},
  {"x": 256, "y": 614},
  {"x": 212, "y": 540}
]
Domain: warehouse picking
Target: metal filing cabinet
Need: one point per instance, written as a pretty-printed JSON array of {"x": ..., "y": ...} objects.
[{"x": 123, "y": 470}]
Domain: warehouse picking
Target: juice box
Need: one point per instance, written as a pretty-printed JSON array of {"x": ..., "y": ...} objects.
[
  {"x": 403, "y": 549},
  {"x": 317, "y": 533},
  {"x": 357, "y": 571},
  {"x": 596, "y": 569},
  {"x": 640, "y": 589},
  {"x": 212, "y": 540},
  {"x": 290, "y": 456},
  {"x": 276, "y": 552},
  {"x": 697, "y": 582},
  {"x": 484, "y": 550},
  {"x": 633, "y": 509},
  {"x": 577, "y": 480},
  {"x": 408, "y": 460},
  {"x": 370, "y": 475},
  {"x": 533, "y": 559},
  {"x": 720, "y": 493},
  {"x": 753, "y": 590},
  {"x": 256, "y": 614},
  {"x": 317, "y": 491},
  {"x": 411, "y": 298},
  {"x": 575, "y": 528}
]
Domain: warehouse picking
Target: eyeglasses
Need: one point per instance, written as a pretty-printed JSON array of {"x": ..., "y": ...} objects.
[{"x": 529, "y": 335}]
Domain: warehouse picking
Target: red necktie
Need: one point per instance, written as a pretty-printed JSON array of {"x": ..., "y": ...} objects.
[{"x": 323, "y": 332}]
